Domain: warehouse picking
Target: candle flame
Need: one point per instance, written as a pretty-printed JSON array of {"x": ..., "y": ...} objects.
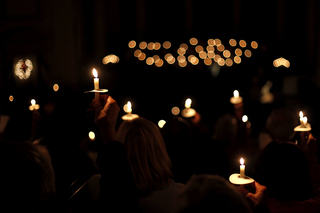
[
  {"x": 245, "y": 118},
  {"x": 236, "y": 94},
  {"x": 95, "y": 73},
  {"x": 241, "y": 161},
  {"x": 301, "y": 114},
  {"x": 129, "y": 107},
  {"x": 33, "y": 102},
  {"x": 305, "y": 120},
  {"x": 188, "y": 103}
]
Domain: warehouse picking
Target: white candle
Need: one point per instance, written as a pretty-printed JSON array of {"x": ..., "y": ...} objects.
[
  {"x": 96, "y": 82},
  {"x": 188, "y": 103},
  {"x": 301, "y": 117},
  {"x": 242, "y": 168}
]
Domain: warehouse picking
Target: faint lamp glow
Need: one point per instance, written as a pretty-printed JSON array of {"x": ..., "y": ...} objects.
[
  {"x": 149, "y": 60},
  {"x": 156, "y": 58},
  {"x": 193, "y": 41},
  {"x": 247, "y": 53},
  {"x": 11, "y": 98},
  {"x": 181, "y": 58},
  {"x": 132, "y": 44},
  {"x": 199, "y": 48},
  {"x": 183, "y": 64},
  {"x": 217, "y": 42},
  {"x": 226, "y": 53},
  {"x": 210, "y": 48},
  {"x": 229, "y": 62},
  {"x": 184, "y": 46},
  {"x": 244, "y": 118},
  {"x": 171, "y": 60},
  {"x": 143, "y": 45},
  {"x": 202, "y": 54},
  {"x": 242, "y": 43},
  {"x": 142, "y": 56},
  {"x": 137, "y": 53},
  {"x": 175, "y": 110},
  {"x": 254, "y": 44},
  {"x": 151, "y": 46},
  {"x": 237, "y": 59},
  {"x": 211, "y": 42},
  {"x": 238, "y": 52},
  {"x": 167, "y": 56},
  {"x": 281, "y": 62},
  {"x": 161, "y": 123},
  {"x": 211, "y": 54},
  {"x": 55, "y": 87},
  {"x": 159, "y": 63},
  {"x": 91, "y": 135},
  {"x": 233, "y": 42},
  {"x": 157, "y": 46},
  {"x": 221, "y": 62},
  {"x": 216, "y": 58},
  {"x": 110, "y": 59},
  {"x": 23, "y": 68},
  {"x": 207, "y": 61},
  {"x": 181, "y": 51},
  {"x": 221, "y": 47},
  {"x": 166, "y": 44}
]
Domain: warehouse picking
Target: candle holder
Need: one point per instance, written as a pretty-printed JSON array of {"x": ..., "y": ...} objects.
[
  {"x": 97, "y": 90},
  {"x": 129, "y": 117},
  {"x": 303, "y": 128},
  {"x": 236, "y": 100},
  {"x": 237, "y": 180},
  {"x": 188, "y": 112}
]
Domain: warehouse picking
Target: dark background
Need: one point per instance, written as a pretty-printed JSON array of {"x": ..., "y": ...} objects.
[{"x": 66, "y": 39}]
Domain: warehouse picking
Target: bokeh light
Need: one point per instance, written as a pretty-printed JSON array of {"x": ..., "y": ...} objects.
[{"x": 132, "y": 44}]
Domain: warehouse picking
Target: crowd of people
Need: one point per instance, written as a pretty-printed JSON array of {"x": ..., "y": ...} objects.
[{"x": 136, "y": 166}]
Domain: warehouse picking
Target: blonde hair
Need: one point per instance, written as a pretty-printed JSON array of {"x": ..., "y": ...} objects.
[{"x": 147, "y": 154}]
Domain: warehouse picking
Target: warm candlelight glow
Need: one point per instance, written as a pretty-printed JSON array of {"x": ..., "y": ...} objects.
[
  {"x": 236, "y": 94},
  {"x": 33, "y": 105},
  {"x": 301, "y": 114},
  {"x": 95, "y": 73},
  {"x": 129, "y": 107},
  {"x": 161, "y": 123},
  {"x": 241, "y": 161},
  {"x": 244, "y": 119},
  {"x": 305, "y": 120},
  {"x": 91, "y": 135},
  {"x": 242, "y": 168},
  {"x": 33, "y": 102},
  {"x": 188, "y": 103}
]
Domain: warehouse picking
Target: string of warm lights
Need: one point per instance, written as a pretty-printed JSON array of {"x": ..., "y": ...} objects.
[{"x": 215, "y": 51}]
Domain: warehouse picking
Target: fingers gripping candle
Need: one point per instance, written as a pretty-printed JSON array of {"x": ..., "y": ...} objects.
[{"x": 96, "y": 82}]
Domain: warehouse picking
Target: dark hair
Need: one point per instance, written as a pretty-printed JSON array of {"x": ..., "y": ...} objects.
[
  {"x": 27, "y": 178},
  {"x": 283, "y": 169}
]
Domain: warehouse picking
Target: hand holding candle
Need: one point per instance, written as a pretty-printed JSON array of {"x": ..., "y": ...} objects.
[
  {"x": 304, "y": 125},
  {"x": 188, "y": 112}
]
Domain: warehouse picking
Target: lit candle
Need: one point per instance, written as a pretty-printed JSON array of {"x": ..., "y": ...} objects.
[
  {"x": 96, "y": 82},
  {"x": 129, "y": 107},
  {"x": 242, "y": 168},
  {"x": 305, "y": 120},
  {"x": 188, "y": 103},
  {"x": 244, "y": 118},
  {"x": 236, "y": 99},
  {"x": 236, "y": 94},
  {"x": 33, "y": 105},
  {"x": 301, "y": 117}
]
